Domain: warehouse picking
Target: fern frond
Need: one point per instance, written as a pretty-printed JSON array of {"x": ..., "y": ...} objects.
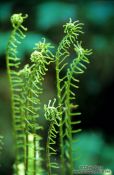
[
  {"x": 15, "y": 39},
  {"x": 53, "y": 116},
  {"x": 71, "y": 30},
  {"x": 26, "y": 89},
  {"x": 76, "y": 67},
  {"x": 16, "y": 83},
  {"x": 34, "y": 77}
]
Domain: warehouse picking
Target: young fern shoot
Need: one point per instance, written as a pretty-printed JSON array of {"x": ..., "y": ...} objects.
[
  {"x": 16, "y": 83},
  {"x": 71, "y": 30},
  {"x": 26, "y": 86},
  {"x": 76, "y": 67},
  {"x": 53, "y": 116},
  {"x": 40, "y": 59}
]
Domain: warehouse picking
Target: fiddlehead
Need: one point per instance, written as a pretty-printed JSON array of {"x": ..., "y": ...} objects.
[
  {"x": 26, "y": 88},
  {"x": 71, "y": 30},
  {"x": 40, "y": 59},
  {"x": 15, "y": 39},
  {"x": 53, "y": 116},
  {"x": 16, "y": 82},
  {"x": 76, "y": 67}
]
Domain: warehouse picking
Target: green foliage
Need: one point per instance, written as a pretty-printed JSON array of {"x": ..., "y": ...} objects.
[
  {"x": 26, "y": 88},
  {"x": 52, "y": 114}
]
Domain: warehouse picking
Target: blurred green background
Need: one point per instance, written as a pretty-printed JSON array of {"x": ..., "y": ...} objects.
[{"x": 96, "y": 93}]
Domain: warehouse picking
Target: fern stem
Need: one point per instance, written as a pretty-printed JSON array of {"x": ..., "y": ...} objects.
[
  {"x": 27, "y": 142},
  {"x": 15, "y": 88},
  {"x": 13, "y": 99},
  {"x": 71, "y": 30},
  {"x": 69, "y": 129},
  {"x": 68, "y": 122},
  {"x": 53, "y": 116},
  {"x": 26, "y": 154},
  {"x": 59, "y": 95},
  {"x": 12, "y": 106},
  {"x": 61, "y": 54},
  {"x": 76, "y": 67},
  {"x": 48, "y": 151}
]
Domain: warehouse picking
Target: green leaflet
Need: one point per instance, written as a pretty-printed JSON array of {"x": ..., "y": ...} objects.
[{"x": 26, "y": 86}]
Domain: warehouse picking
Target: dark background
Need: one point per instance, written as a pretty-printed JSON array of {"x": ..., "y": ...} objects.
[{"x": 96, "y": 93}]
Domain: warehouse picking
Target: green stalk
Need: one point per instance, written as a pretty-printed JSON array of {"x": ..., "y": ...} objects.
[
  {"x": 15, "y": 85},
  {"x": 48, "y": 162},
  {"x": 13, "y": 99},
  {"x": 69, "y": 129},
  {"x": 71, "y": 30},
  {"x": 59, "y": 95},
  {"x": 76, "y": 67},
  {"x": 12, "y": 105}
]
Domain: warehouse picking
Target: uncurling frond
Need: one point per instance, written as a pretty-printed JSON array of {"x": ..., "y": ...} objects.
[
  {"x": 34, "y": 77},
  {"x": 16, "y": 83},
  {"x": 53, "y": 116},
  {"x": 76, "y": 67},
  {"x": 26, "y": 86},
  {"x": 71, "y": 30}
]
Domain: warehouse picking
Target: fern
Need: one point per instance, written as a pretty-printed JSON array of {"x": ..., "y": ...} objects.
[
  {"x": 76, "y": 67},
  {"x": 16, "y": 83},
  {"x": 40, "y": 58},
  {"x": 26, "y": 88},
  {"x": 71, "y": 30},
  {"x": 53, "y": 116}
]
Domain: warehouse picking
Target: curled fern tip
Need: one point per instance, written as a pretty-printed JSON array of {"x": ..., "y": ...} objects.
[{"x": 17, "y": 19}]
